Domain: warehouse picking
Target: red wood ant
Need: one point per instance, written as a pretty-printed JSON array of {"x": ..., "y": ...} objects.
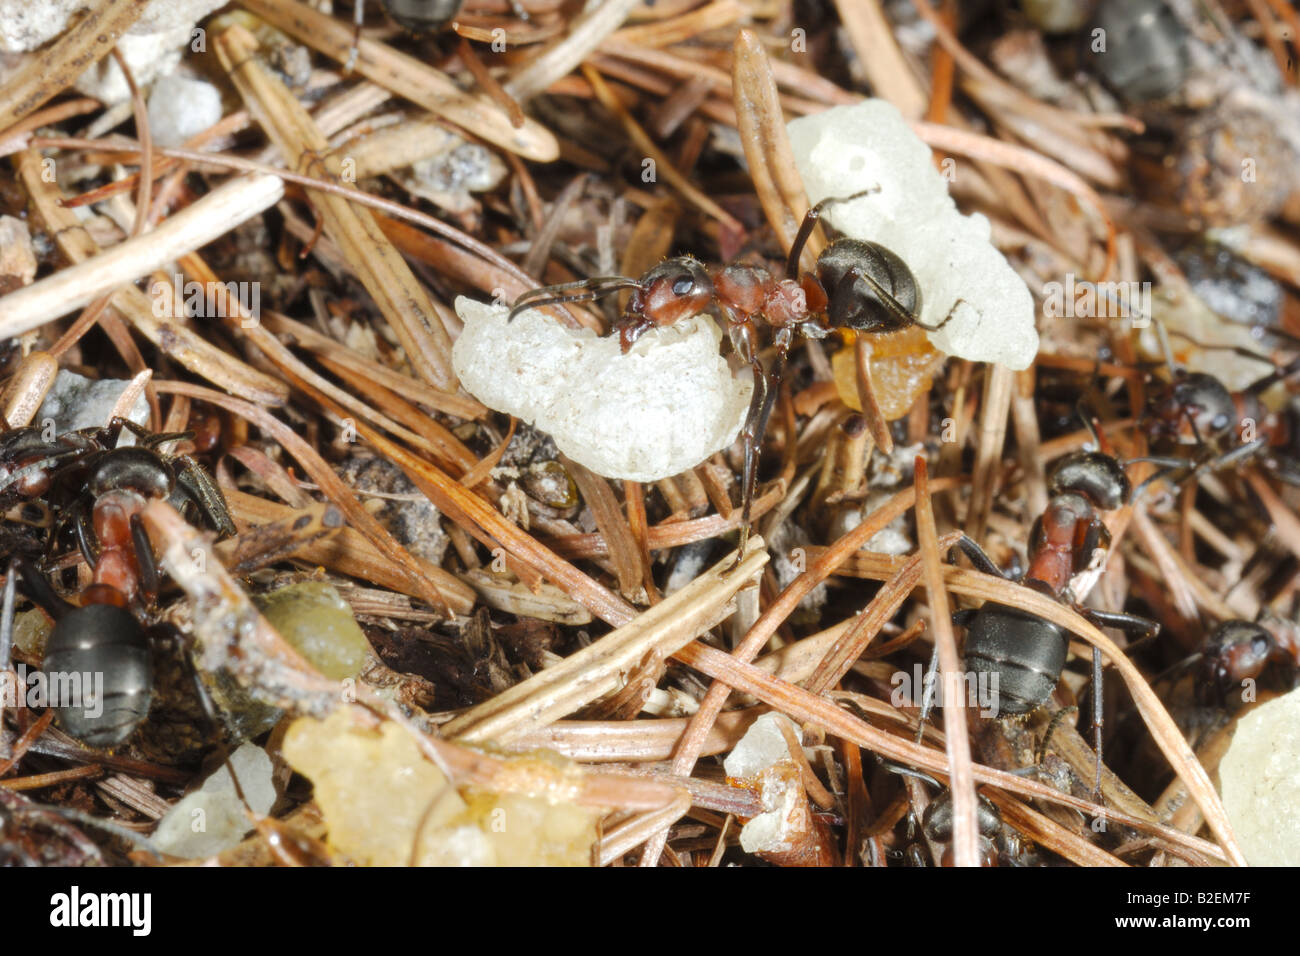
[
  {"x": 1238, "y": 651},
  {"x": 100, "y": 490},
  {"x": 999, "y": 844},
  {"x": 859, "y": 287},
  {"x": 1020, "y": 654},
  {"x": 1197, "y": 408}
]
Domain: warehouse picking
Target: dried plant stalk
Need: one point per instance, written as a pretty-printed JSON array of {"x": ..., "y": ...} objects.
[
  {"x": 600, "y": 668},
  {"x": 95, "y": 273},
  {"x": 408, "y": 77},
  {"x": 383, "y": 272},
  {"x": 53, "y": 70},
  {"x": 767, "y": 145},
  {"x": 965, "y": 834}
]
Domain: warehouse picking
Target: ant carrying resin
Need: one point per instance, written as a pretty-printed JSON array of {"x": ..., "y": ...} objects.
[{"x": 858, "y": 288}]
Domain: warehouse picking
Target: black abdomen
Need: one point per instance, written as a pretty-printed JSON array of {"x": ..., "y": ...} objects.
[{"x": 1023, "y": 653}]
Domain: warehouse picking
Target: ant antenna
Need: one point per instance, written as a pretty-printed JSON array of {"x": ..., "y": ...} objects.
[
  {"x": 1041, "y": 753},
  {"x": 593, "y": 288},
  {"x": 902, "y": 771},
  {"x": 1093, "y": 424},
  {"x": 810, "y": 220}
]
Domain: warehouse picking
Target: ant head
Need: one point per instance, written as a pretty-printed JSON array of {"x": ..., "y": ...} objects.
[
  {"x": 1096, "y": 476},
  {"x": 1194, "y": 405},
  {"x": 937, "y": 820},
  {"x": 1237, "y": 650},
  {"x": 675, "y": 289},
  {"x": 1239, "y": 636}
]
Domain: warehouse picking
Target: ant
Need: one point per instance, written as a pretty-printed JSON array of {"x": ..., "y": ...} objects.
[
  {"x": 998, "y": 842},
  {"x": 101, "y": 638},
  {"x": 418, "y": 16},
  {"x": 112, "y": 486},
  {"x": 1197, "y": 408},
  {"x": 1238, "y": 651},
  {"x": 100, "y": 488},
  {"x": 859, "y": 288},
  {"x": 1020, "y": 654}
]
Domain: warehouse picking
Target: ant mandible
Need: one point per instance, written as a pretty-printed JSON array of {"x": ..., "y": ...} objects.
[{"x": 859, "y": 287}]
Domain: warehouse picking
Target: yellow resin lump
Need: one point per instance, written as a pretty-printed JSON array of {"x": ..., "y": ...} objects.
[{"x": 386, "y": 805}]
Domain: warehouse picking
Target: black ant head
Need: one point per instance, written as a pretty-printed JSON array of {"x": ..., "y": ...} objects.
[
  {"x": 1096, "y": 476},
  {"x": 1194, "y": 405},
  {"x": 675, "y": 289}
]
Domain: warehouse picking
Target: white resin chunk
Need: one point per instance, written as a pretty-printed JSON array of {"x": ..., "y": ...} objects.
[
  {"x": 762, "y": 760},
  {"x": 662, "y": 408},
  {"x": 848, "y": 149},
  {"x": 1260, "y": 782},
  {"x": 212, "y": 818},
  {"x": 180, "y": 107}
]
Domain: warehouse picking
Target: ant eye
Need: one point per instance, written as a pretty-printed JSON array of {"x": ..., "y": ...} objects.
[{"x": 683, "y": 285}]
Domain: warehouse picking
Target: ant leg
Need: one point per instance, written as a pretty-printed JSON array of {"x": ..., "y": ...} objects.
[
  {"x": 144, "y": 560},
  {"x": 200, "y": 487},
  {"x": 1238, "y": 454},
  {"x": 40, "y": 590},
  {"x": 1130, "y": 624},
  {"x": 1054, "y": 723},
  {"x": 1159, "y": 475},
  {"x": 760, "y": 410},
  {"x": 82, "y": 523},
  {"x": 946, "y": 319},
  {"x": 146, "y": 438},
  {"x": 979, "y": 557},
  {"x": 1277, "y": 375},
  {"x": 842, "y": 296},
  {"x": 809, "y": 223}
]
